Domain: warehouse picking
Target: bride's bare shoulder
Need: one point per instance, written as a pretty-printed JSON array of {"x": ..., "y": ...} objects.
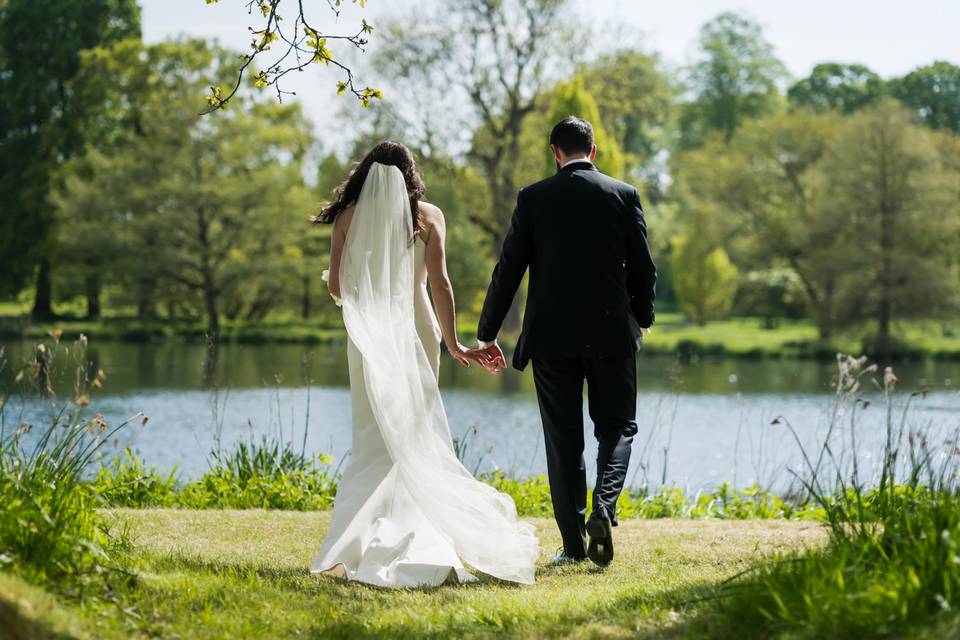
[
  {"x": 430, "y": 214},
  {"x": 342, "y": 222},
  {"x": 431, "y": 218}
]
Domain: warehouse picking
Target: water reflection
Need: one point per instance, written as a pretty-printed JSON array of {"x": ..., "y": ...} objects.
[{"x": 701, "y": 422}]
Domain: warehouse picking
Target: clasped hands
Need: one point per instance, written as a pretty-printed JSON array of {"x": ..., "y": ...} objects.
[{"x": 490, "y": 357}]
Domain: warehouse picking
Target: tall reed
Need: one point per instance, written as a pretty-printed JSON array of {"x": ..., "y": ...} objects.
[
  {"x": 891, "y": 566},
  {"x": 49, "y": 528}
]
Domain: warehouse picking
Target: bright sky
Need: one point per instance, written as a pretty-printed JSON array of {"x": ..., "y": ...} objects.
[{"x": 889, "y": 36}]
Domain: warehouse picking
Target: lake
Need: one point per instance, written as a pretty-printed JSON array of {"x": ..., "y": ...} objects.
[{"x": 701, "y": 422}]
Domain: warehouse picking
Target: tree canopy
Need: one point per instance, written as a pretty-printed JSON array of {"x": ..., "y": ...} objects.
[{"x": 40, "y": 50}]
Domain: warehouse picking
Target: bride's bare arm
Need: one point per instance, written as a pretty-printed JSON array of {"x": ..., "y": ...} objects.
[
  {"x": 340, "y": 227},
  {"x": 440, "y": 285}
]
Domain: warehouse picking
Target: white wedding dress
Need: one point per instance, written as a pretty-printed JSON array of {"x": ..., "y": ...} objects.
[{"x": 407, "y": 512}]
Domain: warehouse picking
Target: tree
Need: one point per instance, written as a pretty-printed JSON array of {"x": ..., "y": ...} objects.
[
  {"x": 113, "y": 89},
  {"x": 885, "y": 179},
  {"x": 736, "y": 78},
  {"x": 767, "y": 187},
  {"x": 209, "y": 210},
  {"x": 704, "y": 278},
  {"x": 40, "y": 48},
  {"x": 837, "y": 87},
  {"x": 572, "y": 99},
  {"x": 933, "y": 92},
  {"x": 109, "y": 91}
]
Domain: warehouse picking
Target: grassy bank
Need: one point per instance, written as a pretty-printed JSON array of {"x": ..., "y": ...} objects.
[
  {"x": 243, "y": 574},
  {"x": 735, "y": 337}
]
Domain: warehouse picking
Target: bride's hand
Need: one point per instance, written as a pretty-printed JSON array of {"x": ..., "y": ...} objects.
[{"x": 461, "y": 354}]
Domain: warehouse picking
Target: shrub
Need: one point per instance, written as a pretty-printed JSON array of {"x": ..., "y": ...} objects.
[
  {"x": 253, "y": 475},
  {"x": 127, "y": 483},
  {"x": 301, "y": 490},
  {"x": 705, "y": 280},
  {"x": 532, "y": 496}
]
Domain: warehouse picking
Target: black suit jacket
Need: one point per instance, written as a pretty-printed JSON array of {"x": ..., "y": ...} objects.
[{"x": 583, "y": 237}]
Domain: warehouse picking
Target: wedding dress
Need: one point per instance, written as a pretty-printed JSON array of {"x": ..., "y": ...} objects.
[{"x": 407, "y": 512}]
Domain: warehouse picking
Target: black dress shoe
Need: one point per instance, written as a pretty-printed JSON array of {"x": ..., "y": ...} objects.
[{"x": 600, "y": 549}]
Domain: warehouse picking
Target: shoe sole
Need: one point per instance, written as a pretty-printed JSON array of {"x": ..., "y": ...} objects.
[{"x": 600, "y": 549}]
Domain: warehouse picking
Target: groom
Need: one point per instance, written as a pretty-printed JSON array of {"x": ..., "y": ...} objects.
[{"x": 582, "y": 235}]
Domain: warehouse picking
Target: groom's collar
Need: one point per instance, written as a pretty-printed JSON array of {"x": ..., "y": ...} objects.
[{"x": 577, "y": 163}]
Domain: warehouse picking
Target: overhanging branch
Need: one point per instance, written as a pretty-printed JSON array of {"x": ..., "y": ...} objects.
[{"x": 304, "y": 45}]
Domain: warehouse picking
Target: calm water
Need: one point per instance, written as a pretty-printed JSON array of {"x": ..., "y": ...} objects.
[{"x": 701, "y": 422}]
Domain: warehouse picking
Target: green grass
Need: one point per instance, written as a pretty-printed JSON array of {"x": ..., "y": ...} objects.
[
  {"x": 898, "y": 577},
  {"x": 243, "y": 574},
  {"x": 735, "y": 336},
  {"x": 129, "y": 329}
]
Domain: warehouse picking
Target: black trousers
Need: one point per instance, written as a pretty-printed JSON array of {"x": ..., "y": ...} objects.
[{"x": 612, "y": 401}]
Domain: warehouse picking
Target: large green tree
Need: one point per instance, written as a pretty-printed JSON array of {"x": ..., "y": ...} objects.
[
  {"x": 40, "y": 49},
  {"x": 208, "y": 212},
  {"x": 933, "y": 92},
  {"x": 765, "y": 188},
  {"x": 736, "y": 77},
  {"x": 837, "y": 87},
  {"x": 886, "y": 180}
]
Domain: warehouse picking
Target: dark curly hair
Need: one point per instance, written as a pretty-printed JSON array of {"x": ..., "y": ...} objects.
[{"x": 388, "y": 153}]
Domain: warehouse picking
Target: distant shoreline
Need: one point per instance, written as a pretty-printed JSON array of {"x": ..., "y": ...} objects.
[{"x": 738, "y": 338}]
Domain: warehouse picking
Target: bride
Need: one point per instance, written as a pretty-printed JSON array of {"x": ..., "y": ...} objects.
[{"x": 407, "y": 512}]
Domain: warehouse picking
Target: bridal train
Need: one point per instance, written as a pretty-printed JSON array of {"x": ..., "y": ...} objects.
[{"x": 407, "y": 512}]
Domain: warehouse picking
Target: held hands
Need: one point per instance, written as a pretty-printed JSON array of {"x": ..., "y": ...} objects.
[
  {"x": 490, "y": 357},
  {"x": 463, "y": 355}
]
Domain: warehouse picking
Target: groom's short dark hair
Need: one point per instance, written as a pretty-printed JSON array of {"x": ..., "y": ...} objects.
[{"x": 573, "y": 135}]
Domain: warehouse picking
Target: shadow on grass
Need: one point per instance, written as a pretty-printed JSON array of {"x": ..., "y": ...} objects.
[
  {"x": 460, "y": 610},
  {"x": 15, "y": 625},
  {"x": 293, "y": 577},
  {"x": 647, "y": 616}
]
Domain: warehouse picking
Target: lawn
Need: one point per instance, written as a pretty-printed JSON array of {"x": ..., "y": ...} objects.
[
  {"x": 734, "y": 335},
  {"x": 242, "y": 574}
]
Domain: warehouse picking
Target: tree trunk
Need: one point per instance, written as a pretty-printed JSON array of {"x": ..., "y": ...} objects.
[
  {"x": 885, "y": 306},
  {"x": 305, "y": 296},
  {"x": 824, "y": 331},
  {"x": 43, "y": 302},
  {"x": 146, "y": 305},
  {"x": 883, "y": 345},
  {"x": 825, "y": 313},
  {"x": 213, "y": 315},
  {"x": 92, "y": 285}
]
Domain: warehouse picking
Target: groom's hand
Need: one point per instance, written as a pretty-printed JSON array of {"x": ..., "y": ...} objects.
[{"x": 491, "y": 357}]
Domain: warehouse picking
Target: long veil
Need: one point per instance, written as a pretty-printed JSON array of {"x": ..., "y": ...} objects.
[{"x": 377, "y": 287}]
